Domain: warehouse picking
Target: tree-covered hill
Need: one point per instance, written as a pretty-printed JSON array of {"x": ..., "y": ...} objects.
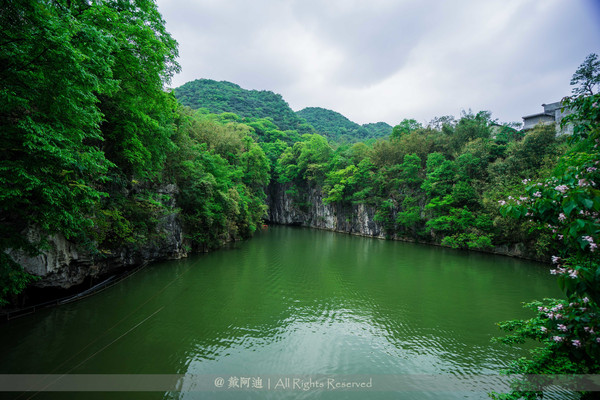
[
  {"x": 220, "y": 97},
  {"x": 338, "y": 128},
  {"x": 378, "y": 129}
]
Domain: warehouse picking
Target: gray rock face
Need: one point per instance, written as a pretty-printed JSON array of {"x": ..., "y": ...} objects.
[
  {"x": 314, "y": 213},
  {"x": 356, "y": 219},
  {"x": 64, "y": 264}
]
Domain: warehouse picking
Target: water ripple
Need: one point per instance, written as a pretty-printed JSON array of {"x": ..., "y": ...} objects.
[{"x": 296, "y": 301}]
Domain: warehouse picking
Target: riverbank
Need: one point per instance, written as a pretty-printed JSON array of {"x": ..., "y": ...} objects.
[
  {"x": 290, "y": 301},
  {"x": 356, "y": 219},
  {"x": 34, "y": 299}
]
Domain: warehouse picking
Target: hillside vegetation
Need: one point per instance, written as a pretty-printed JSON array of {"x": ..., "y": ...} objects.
[
  {"x": 220, "y": 97},
  {"x": 437, "y": 185},
  {"x": 216, "y": 97},
  {"x": 337, "y": 128},
  {"x": 378, "y": 129}
]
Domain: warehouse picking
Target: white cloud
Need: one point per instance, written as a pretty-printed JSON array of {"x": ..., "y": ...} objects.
[{"x": 387, "y": 59}]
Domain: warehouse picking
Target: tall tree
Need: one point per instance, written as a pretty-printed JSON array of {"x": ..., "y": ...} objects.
[
  {"x": 137, "y": 116},
  {"x": 54, "y": 67},
  {"x": 405, "y": 127},
  {"x": 72, "y": 71},
  {"x": 587, "y": 76}
]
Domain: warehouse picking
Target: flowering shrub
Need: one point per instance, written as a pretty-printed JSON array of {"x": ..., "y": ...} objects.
[
  {"x": 566, "y": 205},
  {"x": 569, "y": 207}
]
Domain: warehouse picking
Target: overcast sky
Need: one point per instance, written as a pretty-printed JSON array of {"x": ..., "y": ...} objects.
[{"x": 386, "y": 60}]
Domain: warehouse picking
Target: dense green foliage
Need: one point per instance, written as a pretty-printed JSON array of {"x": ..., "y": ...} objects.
[
  {"x": 337, "y": 128},
  {"x": 221, "y": 97},
  {"x": 430, "y": 184},
  {"x": 405, "y": 127},
  {"x": 566, "y": 206},
  {"x": 89, "y": 137},
  {"x": 222, "y": 174},
  {"x": 253, "y": 106},
  {"x": 73, "y": 112},
  {"x": 54, "y": 69},
  {"x": 378, "y": 129}
]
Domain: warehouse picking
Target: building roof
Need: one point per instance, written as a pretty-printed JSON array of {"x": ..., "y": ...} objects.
[{"x": 538, "y": 115}]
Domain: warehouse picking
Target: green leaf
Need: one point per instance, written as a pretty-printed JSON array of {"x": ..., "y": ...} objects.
[{"x": 567, "y": 208}]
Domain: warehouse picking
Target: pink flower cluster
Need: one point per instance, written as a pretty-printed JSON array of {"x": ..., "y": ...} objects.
[
  {"x": 563, "y": 219},
  {"x": 562, "y": 331},
  {"x": 551, "y": 313},
  {"x": 583, "y": 183},
  {"x": 573, "y": 274},
  {"x": 561, "y": 188},
  {"x": 564, "y": 270},
  {"x": 590, "y": 240}
]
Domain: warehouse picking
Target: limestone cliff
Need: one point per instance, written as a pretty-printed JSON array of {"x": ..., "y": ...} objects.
[
  {"x": 65, "y": 264},
  {"x": 358, "y": 219},
  {"x": 313, "y": 212}
]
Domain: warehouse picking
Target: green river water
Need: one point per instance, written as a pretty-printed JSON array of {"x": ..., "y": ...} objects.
[{"x": 290, "y": 302}]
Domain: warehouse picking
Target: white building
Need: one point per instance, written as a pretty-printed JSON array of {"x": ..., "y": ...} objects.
[{"x": 553, "y": 114}]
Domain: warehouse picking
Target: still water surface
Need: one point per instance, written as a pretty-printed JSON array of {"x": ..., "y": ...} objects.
[{"x": 291, "y": 301}]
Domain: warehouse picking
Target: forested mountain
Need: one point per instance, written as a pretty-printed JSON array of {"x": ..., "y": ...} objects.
[
  {"x": 225, "y": 97},
  {"x": 221, "y": 97},
  {"x": 378, "y": 129},
  {"x": 338, "y": 128}
]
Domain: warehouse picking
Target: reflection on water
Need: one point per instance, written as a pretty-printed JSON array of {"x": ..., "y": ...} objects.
[{"x": 290, "y": 301}]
